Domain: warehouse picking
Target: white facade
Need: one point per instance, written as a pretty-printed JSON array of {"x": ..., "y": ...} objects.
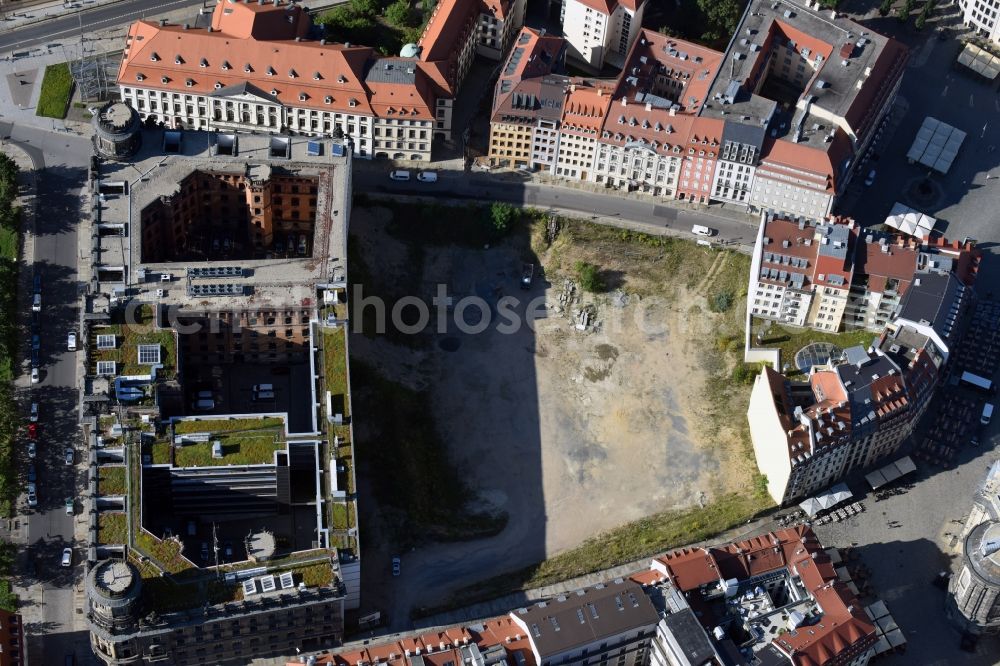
[
  {"x": 545, "y": 145},
  {"x": 575, "y": 157},
  {"x": 770, "y": 443},
  {"x": 640, "y": 167},
  {"x": 792, "y": 191},
  {"x": 249, "y": 112},
  {"x": 981, "y": 15},
  {"x": 595, "y": 37}
]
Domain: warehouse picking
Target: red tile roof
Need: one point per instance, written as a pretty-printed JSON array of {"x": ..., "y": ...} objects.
[
  {"x": 447, "y": 28},
  {"x": 257, "y": 20},
  {"x": 585, "y": 110}
]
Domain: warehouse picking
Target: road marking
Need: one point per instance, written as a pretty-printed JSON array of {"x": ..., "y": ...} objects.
[
  {"x": 944, "y": 91},
  {"x": 971, "y": 104}
]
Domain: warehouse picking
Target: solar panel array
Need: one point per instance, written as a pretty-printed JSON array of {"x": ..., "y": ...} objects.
[
  {"x": 231, "y": 289},
  {"x": 215, "y": 272}
]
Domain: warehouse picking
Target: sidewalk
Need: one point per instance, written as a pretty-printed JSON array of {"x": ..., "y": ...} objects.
[
  {"x": 19, "y": 17},
  {"x": 31, "y": 598}
]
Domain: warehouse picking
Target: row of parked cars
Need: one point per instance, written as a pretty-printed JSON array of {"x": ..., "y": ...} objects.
[{"x": 422, "y": 176}]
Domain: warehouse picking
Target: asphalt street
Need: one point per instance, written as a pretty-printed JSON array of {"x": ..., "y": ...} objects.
[
  {"x": 88, "y": 21},
  {"x": 61, "y": 160},
  {"x": 602, "y": 208}
]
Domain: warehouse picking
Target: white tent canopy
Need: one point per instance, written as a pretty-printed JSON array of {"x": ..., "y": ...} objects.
[
  {"x": 890, "y": 472},
  {"x": 831, "y": 498},
  {"x": 936, "y": 145},
  {"x": 910, "y": 222}
]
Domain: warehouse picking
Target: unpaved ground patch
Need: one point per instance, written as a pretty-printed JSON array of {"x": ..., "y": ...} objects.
[{"x": 571, "y": 432}]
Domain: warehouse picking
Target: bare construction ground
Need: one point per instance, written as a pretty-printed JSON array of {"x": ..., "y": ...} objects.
[{"x": 611, "y": 407}]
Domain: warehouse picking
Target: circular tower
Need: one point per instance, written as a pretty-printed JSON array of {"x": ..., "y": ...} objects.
[
  {"x": 114, "y": 588},
  {"x": 976, "y": 589},
  {"x": 117, "y": 131}
]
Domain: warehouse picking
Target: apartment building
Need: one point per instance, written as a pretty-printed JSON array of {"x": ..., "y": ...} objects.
[
  {"x": 775, "y": 599},
  {"x": 254, "y": 69},
  {"x": 858, "y": 409},
  {"x": 981, "y": 16},
  {"x": 528, "y": 102},
  {"x": 601, "y": 31},
  {"x": 824, "y": 276},
  {"x": 737, "y": 162},
  {"x": 499, "y": 23},
  {"x": 583, "y": 116},
  {"x": 12, "y": 639},
  {"x": 820, "y": 86}
]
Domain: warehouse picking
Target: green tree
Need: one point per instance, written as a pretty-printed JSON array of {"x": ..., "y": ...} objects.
[
  {"x": 369, "y": 8},
  {"x": 502, "y": 217},
  {"x": 589, "y": 276},
  {"x": 399, "y": 14},
  {"x": 921, "y": 20},
  {"x": 721, "y": 18}
]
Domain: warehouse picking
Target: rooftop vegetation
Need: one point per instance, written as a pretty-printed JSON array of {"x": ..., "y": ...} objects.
[{"x": 128, "y": 337}]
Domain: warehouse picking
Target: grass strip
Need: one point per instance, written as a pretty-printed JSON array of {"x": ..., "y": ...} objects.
[{"x": 57, "y": 88}]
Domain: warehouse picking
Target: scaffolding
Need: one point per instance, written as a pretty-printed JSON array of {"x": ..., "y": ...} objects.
[{"x": 94, "y": 69}]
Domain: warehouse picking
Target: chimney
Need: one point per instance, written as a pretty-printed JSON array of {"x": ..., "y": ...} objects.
[
  {"x": 322, "y": 42},
  {"x": 209, "y": 28},
  {"x": 649, "y": 106},
  {"x": 163, "y": 22}
]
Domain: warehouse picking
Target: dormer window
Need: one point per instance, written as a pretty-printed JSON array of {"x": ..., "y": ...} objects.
[
  {"x": 270, "y": 71},
  {"x": 247, "y": 68},
  {"x": 316, "y": 76},
  {"x": 164, "y": 79},
  {"x": 204, "y": 63},
  {"x": 140, "y": 77},
  {"x": 226, "y": 66},
  {"x": 218, "y": 86},
  {"x": 328, "y": 100},
  {"x": 274, "y": 92},
  {"x": 292, "y": 74},
  {"x": 189, "y": 83},
  {"x": 341, "y": 79},
  {"x": 352, "y": 102},
  {"x": 154, "y": 57},
  {"x": 303, "y": 97},
  {"x": 178, "y": 60}
]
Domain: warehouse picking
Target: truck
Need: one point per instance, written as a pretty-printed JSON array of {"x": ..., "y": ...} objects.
[
  {"x": 527, "y": 275},
  {"x": 977, "y": 382}
]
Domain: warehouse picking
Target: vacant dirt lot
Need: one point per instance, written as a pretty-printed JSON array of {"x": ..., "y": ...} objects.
[{"x": 570, "y": 431}]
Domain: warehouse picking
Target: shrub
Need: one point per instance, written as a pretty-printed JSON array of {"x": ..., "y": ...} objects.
[
  {"x": 885, "y": 7},
  {"x": 721, "y": 302},
  {"x": 589, "y": 277},
  {"x": 503, "y": 216},
  {"x": 399, "y": 13}
]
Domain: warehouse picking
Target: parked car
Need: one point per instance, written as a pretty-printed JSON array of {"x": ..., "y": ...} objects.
[
  {"x": 33, "y": 430},
  {"x": 427, "y": 176},
  {"x": 70, "y": 457},
  {"x": 870, "y": 178},
  {"x": 71, "y": 341},
  {"x": 32, "y": 499},
  {"x": 34, "y": 412},
  {"x": 67, "y": 557},
  {"x": 36, "y": 358},
  {"x": 69, "y": 506},
  {"x": 36, "y": 303},
  {"x": 32, "y": 473},
  {"x": 395, "y": 566},
  {"x": 37, "y": 284},
  {"x": 701, "y": 230},
  {"x": 32, "y": 450},
  {"x": 35, "y": 376},
  {"x": 36, "y": 342},
  {"x": 303, "y": 244},
  {"x": 399, "y": 175}
]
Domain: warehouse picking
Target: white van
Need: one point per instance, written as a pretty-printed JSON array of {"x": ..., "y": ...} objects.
[
  {"x": 399, "y": 175},
  {"x": 987, "y": 414},
  {"x": 702, "y": 230},
  {"x": 36, "y": 303},
  {"x": 427, "y": 176}
]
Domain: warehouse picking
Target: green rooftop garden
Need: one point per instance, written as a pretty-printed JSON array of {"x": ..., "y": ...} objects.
[
  {"x": 335, "y": 366},
  {"x": 244, "y": 442},
  {"x": 112, "y": 528},
  {"x": 165, "y": 552},
  {"x": 790, "y": 339},
  {"x": 128, "y": 337},
  {"x": 111, "y": 480}
]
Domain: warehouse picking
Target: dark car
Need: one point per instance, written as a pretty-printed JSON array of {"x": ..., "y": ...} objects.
[
  {"x": 32, "y": 473},
  {"x": 38, "y": 284},
  {"x": 35, "y": 358}
]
